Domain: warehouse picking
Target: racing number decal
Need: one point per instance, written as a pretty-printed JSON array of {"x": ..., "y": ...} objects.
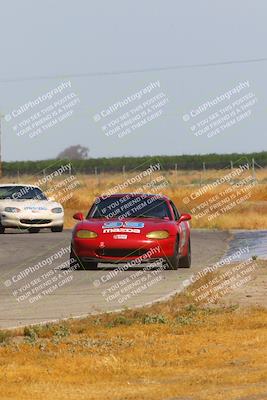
[
  {"x": 134, "y": 224},
  {"x": 118, "y": 224},
  {"x": 125, "y": 227},
  {"x": 112, "y": 224}
]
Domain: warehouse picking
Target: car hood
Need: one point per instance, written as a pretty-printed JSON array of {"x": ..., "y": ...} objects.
[
  {"x": 29, "y": 205},
  {"x": 138, "y": 225}
]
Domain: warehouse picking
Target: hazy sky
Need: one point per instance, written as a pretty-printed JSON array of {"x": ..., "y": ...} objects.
[{"x": 108, "y": 40}]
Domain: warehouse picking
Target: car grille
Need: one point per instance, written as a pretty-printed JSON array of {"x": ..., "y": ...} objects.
[
  {"x": 121, "y": 252},
  {"x": 35, "y": 221}
]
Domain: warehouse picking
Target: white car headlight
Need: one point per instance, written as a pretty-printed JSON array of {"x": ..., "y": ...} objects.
[
  {"x": 12, "y": 209},
  {"x": 57, "y": 210}
]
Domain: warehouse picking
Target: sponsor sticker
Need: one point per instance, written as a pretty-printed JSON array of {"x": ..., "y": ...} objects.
[
  {"x": 123, "y": 237},
  {"x": 121, "y": 230}
]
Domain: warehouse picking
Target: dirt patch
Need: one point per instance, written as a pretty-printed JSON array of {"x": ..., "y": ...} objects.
[{"x": 253, "y": 293}]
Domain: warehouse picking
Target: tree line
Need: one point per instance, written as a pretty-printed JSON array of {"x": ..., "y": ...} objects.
[{"x": 127, "y": 164}]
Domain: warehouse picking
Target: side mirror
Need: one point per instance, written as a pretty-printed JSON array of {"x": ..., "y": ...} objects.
[
  {"x": 184, "y": 217},
  {"x": 79, "y": 216}
]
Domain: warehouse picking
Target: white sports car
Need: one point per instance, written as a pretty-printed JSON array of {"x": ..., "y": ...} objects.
[{"x": 27, "y": 207}]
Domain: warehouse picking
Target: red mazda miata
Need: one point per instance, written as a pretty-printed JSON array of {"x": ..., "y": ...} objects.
[{"x": 126, "y": 228}]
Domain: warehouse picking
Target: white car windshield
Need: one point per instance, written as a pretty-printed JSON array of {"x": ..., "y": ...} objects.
[{"x": 21, "y": 193}]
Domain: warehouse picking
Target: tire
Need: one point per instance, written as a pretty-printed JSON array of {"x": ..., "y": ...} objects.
[
  {"x": 82, "y": 265},
  {"x": 173, "y": 262},
  {"x": 34, "y": 230},
  {"x": 2, "y": 230},
  {"x": 57, "y": 228},
  {"x": 185, "y": 262}
]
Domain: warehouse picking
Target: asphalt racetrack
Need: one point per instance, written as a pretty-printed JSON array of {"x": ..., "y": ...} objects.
[{"x": 33, "y": 289}]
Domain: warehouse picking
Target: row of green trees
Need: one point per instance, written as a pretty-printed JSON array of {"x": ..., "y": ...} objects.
[{"x": 118, "y": 164}]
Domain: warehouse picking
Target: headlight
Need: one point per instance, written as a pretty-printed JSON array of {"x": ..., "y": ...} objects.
[
  {"x": 84, "y": 234},
  {"x": 12, "y": 209},
  {"x": 57, "y": 210},
  {"x": 158, "y": 235}
]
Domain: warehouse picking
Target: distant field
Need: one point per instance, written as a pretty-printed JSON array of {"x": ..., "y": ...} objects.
[{"x": 77, "y": 193}]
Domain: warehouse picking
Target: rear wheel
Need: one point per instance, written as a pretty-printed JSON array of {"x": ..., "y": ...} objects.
[
  {"x": 185, "y": 262},
  {"x": 173, "y": 262},
  {"x": 57, "y": 228},
  {"x": 2, "y": 229},
  {"x": 75, "y": 261},
  {"x": 34, "y": 230}
]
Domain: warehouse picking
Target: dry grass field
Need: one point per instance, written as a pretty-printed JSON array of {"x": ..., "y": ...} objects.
[
  {"x": 172, "y": 351},
  {"x": 78, "y": 192}
]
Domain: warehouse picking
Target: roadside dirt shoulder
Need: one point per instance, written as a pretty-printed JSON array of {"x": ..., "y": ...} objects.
[{"x": 253, "y": 292}]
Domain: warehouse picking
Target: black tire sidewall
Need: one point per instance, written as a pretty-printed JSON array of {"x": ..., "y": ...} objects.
[{"x": 173, "y": 262}]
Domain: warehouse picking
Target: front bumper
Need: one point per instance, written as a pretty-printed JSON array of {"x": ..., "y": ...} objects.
[
  {"x": 119, "y": 251},
  {"x": 26, "y": 220}
]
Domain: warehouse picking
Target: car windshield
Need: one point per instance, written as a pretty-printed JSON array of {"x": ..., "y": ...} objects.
[
  {"x": 21, "y": 193},
  {"x": 130, "y": 207}
]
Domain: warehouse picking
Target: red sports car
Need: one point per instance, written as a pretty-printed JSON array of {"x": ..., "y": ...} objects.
[{"x": 131, "y": 228}]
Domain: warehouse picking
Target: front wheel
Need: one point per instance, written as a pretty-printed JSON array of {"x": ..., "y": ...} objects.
[
  {"x": 185, "y": 262},
  {"x": 2, "y": 229},
  {"x": 173, "y": 262},
  {"x": 57, "y": 228}
]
